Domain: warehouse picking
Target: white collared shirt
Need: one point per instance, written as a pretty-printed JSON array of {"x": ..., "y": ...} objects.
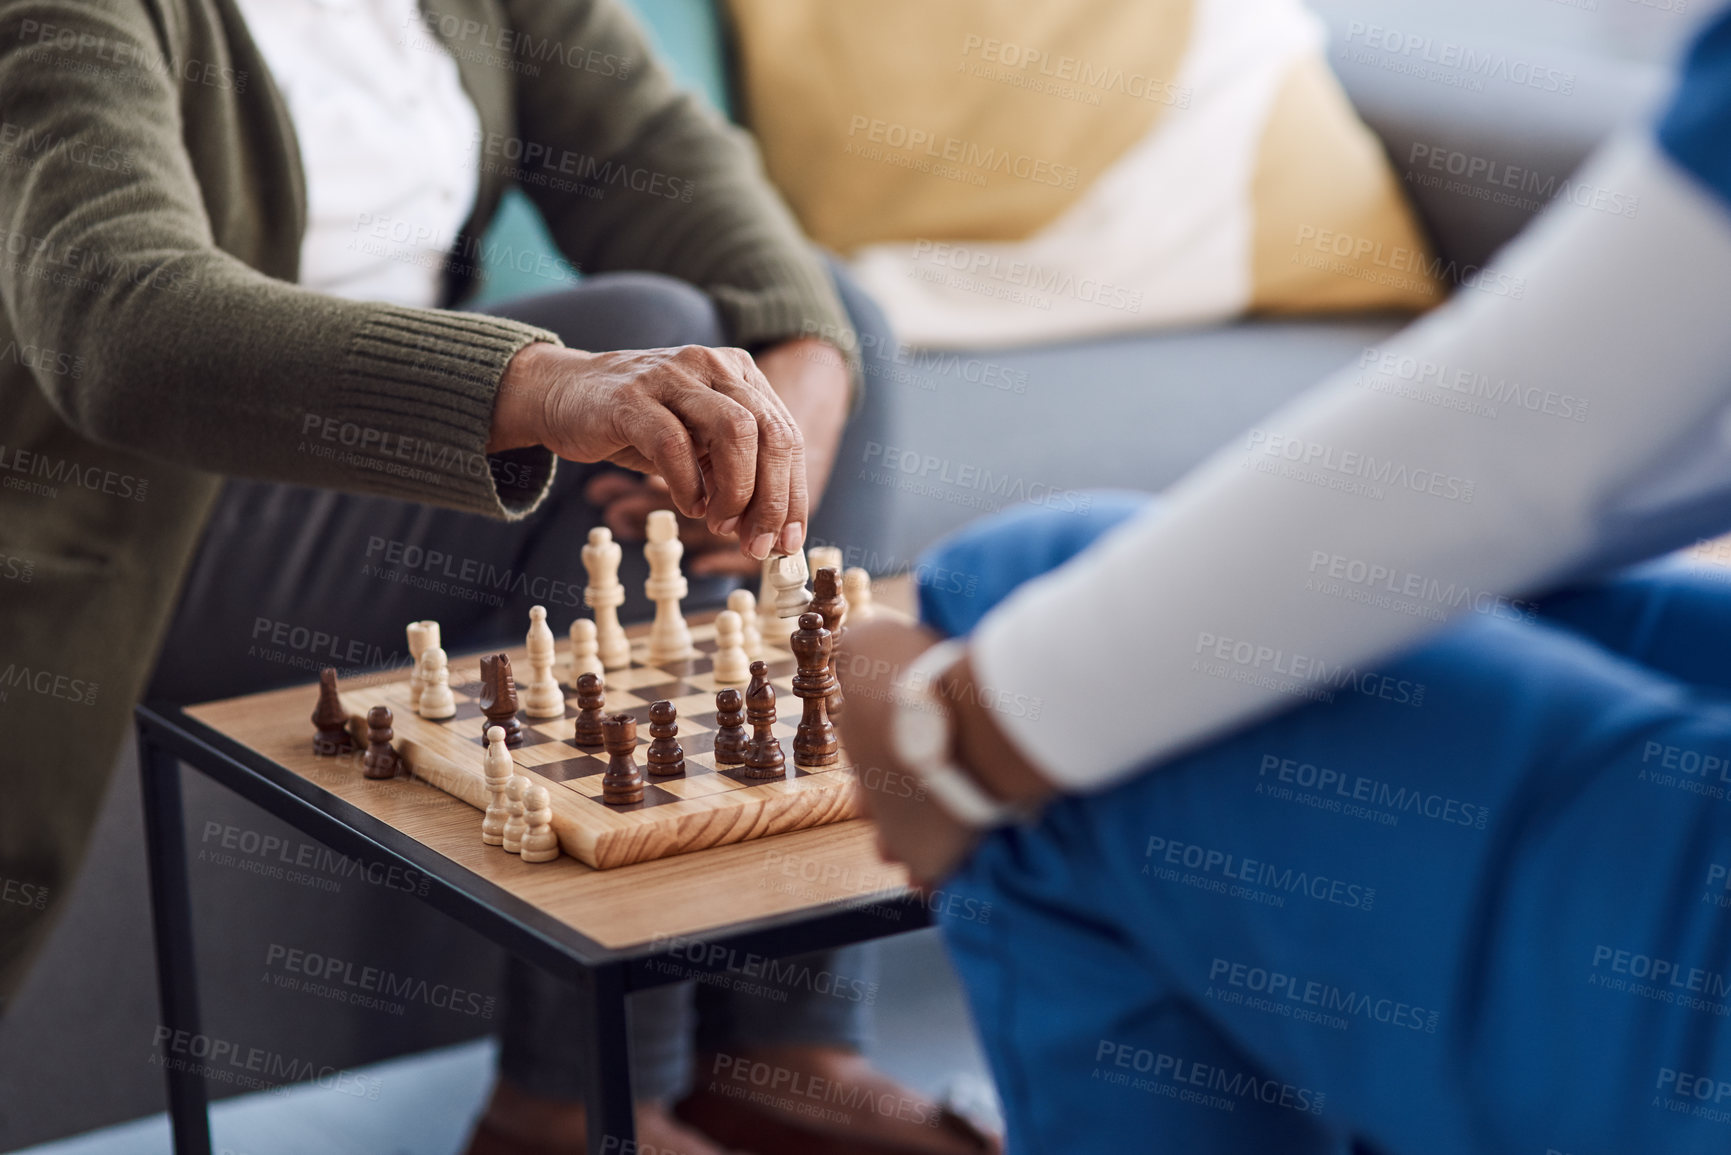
[{"x": 389, "y": 142}]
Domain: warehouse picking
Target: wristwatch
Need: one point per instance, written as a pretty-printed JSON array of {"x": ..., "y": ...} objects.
[{"x": 922, "y": 733}]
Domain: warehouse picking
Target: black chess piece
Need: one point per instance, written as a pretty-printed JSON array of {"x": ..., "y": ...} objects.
[
  {"x": 332, "y": 720},
  {"x": 380, "y": 760},
  {"x": 499, "y": 698},
  {"x": 666, "y": 755},
  {"x": 828, "y": 600},
  {"x": 623, "y": 782},
  {"x": 591, "y": 705},
  {"x": 763, "y": 758},
  {"x": 814, "y": 743},
  {"x": 730, "y": 740}
]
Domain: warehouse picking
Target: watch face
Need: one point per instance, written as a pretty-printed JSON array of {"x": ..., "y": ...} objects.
[{"x": 921, "y": 731}]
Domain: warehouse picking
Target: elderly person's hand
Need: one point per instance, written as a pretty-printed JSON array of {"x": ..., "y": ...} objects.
[
  {"x": 811, "y": 378},
  {"x": 706, "y": 421}
]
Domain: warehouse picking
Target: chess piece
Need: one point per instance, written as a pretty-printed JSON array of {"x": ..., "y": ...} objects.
[
  {"x": 730, "y": 733},
  {"x": 422, "y": 635},
  {"x": 814, "y": 743},
  {"x": 591, "y": 704},
  {"x": 542, "y": 699},
  {"x": 331, "y": 719},
  {"x": 540, "y": 844},
  {"x": 517, "y": 814},
  {"x": 380, "y": 760},
  {"x": 731, "y": 664},
  {"x": 669, "y": 636},
  {"x": 499, "y": 697},
  {"x": 437, "y": 701},
  {"x": 743, "y": 603},
  {"x": 819, "y": 556},
  {"x": 856, "y": 585},
  {"x": 585, "y": 650},
  {"x": 763, "y": 758},
  {"x": 666, "y": 756},
  {"x": 789, "y": 577},
  {"x": 500, "y": 770},
  {"x": 623, "y": 782},
  {"x": 604, "y": 595},
  {"x": 827, "y": 601},
  {"x": 769, "y": 627}
]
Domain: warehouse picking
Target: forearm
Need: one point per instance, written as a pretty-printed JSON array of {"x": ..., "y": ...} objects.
[{"x": 1205, "y": 615}]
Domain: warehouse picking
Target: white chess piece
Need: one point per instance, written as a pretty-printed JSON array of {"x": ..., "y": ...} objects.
[
  {"x": 437, "y": 701},
  {"x": 743, "y": 603},
  {"x": 421, "y": 636},
  {"x": 605, "y": 594},
  {"x": 542, "y": 698},
  {"x": 585, "y": 651},
  {"x": 539, "y": 843},
  {"x": 819, "y": 556},
  {"x": 856, "y": 587},
  {"x": 791, "y": 595},
  {"x": 517, "y": 819},
  {"x": 732, "y": 666},
  {"x": 669, "y": 636},
  {"x": 769, "y": 626},
  {"x": 500, "y": 769}
]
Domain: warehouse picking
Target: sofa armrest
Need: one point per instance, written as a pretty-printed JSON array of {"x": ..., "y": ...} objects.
[{"x": 1478, "y": 153}]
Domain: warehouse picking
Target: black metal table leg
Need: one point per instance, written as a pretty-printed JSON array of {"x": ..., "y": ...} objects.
[
  {"x": 176, "y": 963},
  {"x": 612, "y": 1126}
]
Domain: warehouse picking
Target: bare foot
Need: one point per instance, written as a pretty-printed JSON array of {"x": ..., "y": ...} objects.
[
  {"x": 829, "y": 1091},
  {"x": 518, "y": 1122}
]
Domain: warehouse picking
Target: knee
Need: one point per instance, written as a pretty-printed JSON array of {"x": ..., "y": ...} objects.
[
  {"x": 624, "y": 311},
  {"x": 967, "y": 573}
]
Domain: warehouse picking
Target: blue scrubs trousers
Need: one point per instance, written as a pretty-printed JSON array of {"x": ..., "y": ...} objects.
[{"x": 1477, "y": 901}]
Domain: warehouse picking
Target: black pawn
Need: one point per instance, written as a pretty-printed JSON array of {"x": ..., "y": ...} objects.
[
  {"x": 331, "y": 719},
  {"x": 666, "y": 755},
  {"x": 730, "y": 740},
  {"x": 380, "y": 760},
  {"x": 763, "y": 758},
  {"x": 591, "y": 704},
  {"x": 623, "y": 782}
]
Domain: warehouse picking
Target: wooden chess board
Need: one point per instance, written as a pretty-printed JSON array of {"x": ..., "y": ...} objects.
[{"x": 706, "y": 806}]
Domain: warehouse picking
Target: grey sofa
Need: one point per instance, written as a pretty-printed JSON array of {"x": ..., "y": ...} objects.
[{"x": 1133, "y": 412}]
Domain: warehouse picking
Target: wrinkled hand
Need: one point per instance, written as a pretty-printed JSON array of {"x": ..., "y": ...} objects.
[
  {"x": 705, "y": 420},
  {"x": 912, "y": 828},
  {"x": 811, "y": 378}
]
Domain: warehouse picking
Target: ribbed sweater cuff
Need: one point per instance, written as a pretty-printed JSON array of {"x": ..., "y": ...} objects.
[
  {"x": 776, "y": 299},
  {"x": 415, "y": 397}
]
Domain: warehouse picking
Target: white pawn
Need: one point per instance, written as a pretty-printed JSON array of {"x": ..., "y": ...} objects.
[
  {"x": 819, "y": 556},
  {"x": 539, "y": 844},
  {"x": 585, "y": 651},
  {"x": 732, "y": 666},
  {"x": 743, "y": 603},
  {"x": 437, "y": 700},
  {"x": 856, "y": 587},
  {"x": 604, "y": 594},
  {"x": 516, "y": 820},
  {"x": 669, "y": 636},
  {"x": 500, "y": 770},
  {"x": 542, "y": 698},
  {"x": 421, "y": 636}
]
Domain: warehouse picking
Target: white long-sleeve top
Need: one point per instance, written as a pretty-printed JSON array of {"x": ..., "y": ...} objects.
[{"x": 1578, "y": 408}]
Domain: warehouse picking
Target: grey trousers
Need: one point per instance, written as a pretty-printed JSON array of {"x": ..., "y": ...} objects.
[{"x": 350, "y": 571}]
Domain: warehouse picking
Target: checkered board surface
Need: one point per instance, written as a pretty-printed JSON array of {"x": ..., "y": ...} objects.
[{"x": 706, "y": 806}]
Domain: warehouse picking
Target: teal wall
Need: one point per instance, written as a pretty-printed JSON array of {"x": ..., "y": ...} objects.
[{"x": 687, "y": 35}]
